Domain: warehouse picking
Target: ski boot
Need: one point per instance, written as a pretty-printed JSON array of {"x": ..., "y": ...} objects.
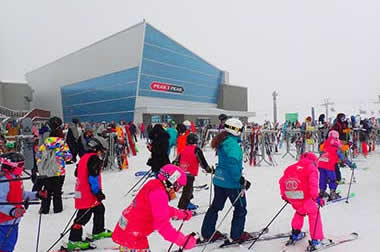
[
  {"x": 318, "y": 244},
  {"x": 79, "y": 245},
  {"x": 245, "y": 236},
  {"x": 334, "y": 195},
  {"x": 105, "y": 234},
  {"x": 191, "y": 206},
  {"x": 217, "y": 236},
  {"x": 323, "y": 194},
  {"x": 295, "y": 236}
]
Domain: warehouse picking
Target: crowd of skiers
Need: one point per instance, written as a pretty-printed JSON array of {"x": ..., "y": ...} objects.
[{"x": 303, "y": 185}]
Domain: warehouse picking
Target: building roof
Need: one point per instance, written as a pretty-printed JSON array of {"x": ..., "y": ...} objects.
[{"x": 192, "y": 111}]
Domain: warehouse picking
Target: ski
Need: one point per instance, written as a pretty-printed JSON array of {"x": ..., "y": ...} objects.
[
  {"x": 329, "y": 202},
  {"x": 264, "y": 237},
  {"x": 332, "y": 243},
  {"x": 292, "y": 243}
]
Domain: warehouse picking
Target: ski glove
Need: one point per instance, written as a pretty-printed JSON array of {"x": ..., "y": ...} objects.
[
  {"x": 42, "y": 194},
  {"x": 245, "y": 183},
  {"x": 100, "y": 196},
  {"x": 17, "y": 212},
  {"x": 354, "y": 166},
  {"x": 183, "y": 215},
  {"x": 320, "y": 201}
]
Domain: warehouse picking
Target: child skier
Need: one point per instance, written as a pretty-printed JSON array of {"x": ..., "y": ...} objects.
[
  {"x": 189, "y": 160},
  {"x": 89, "y": 197},
  {"x": 12, "y": 165},
  {"x": 327, "y": 163},
  {"x": 150, "y": 211},
  {"x": 299, "y": 187}
]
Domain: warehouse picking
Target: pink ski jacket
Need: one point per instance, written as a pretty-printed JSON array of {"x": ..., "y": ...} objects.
[
  {"x": 300, "y": 181},
  {"x": 330, "y": 157},
  {"x": 148, "y": 212}
]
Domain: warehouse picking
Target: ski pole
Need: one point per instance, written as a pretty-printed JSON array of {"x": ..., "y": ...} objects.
[
  {"x": 66, "y": 231},
  {"x": 209, "y": 202},
  {"x": 264, "y": 229},
  {"x": 349, "y": 187},
  {"x": 38, "y": 230},
  {"x": 146, "y": 176},
  {"x": 224, "y": 217},
  {"x": 68, "y": 223},
  {"x": 25, "y": 203},
  {"x": 179, "y": 229}
]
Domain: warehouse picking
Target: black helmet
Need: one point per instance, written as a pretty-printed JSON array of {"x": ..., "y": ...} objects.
[
  {"x": 192, "y": 139},
  {"x": 181, "y": 128},
  {"x": 75, "y": 120},
  {"x": 95, "y": 145},
  {"x": 54, "y": 123},
  {"x": 222, "y": 117}
]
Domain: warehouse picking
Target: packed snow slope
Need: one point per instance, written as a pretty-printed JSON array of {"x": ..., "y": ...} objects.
[{"x": 361, "y": 214}]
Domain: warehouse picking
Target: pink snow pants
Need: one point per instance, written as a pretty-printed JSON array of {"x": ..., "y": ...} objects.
[{"x": 310, "y": 208}]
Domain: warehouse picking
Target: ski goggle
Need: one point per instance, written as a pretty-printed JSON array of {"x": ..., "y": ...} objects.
[{"x": 233, "y": 128}]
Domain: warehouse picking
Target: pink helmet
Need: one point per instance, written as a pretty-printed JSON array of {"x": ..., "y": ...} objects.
[
  {"x": 13, "y": 162},
  {"x": 310, "y": 156},
  {"x": 334, "y": 134},
  {"x": 173, "y": 176}
]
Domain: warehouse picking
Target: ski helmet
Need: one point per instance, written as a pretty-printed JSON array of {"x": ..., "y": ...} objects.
[
  {"x": 75, "y": 121},
  {"x": 187, "y": 123},
  {"x": 311, "y": 157},
  {"x": 12, "y": 161},
  {"x": 181, "y": 128},
  {"x": 334, "y": 134},
  {"x": 233, "y": 126},
  {"x": 172, "y": 176},
  {"x": 95, "y": 145},
  {"x": 192, "y": 139},
  {"x": 54, "y": 123},
  {"x": 222, "y": 117}
]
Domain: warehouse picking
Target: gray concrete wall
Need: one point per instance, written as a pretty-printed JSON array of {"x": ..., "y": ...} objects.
[
  {"x": 233, "y": 98},
  {"x": 15, "y": 96},
  {"x": 113, "y": 54}
]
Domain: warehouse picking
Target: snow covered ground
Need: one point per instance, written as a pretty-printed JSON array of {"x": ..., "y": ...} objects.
[{"x": 361, "y": 214}]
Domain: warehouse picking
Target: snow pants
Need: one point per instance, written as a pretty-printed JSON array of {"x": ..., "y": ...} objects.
[
  {"x": 310, "y": 208},
  {"x": 83, "y": 217},
  {"x": 8, "y": 237},
  {"x": 53, "y": 186},
  {"x": 327, "y": 177},
  {"x": 187, "y": 192},
  {"x": 238, "y": 219}
]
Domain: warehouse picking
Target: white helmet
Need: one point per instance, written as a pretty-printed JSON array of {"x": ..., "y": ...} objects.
[
  {"x": 187, "y": 123},
  {"x": 233, "y": 126}
]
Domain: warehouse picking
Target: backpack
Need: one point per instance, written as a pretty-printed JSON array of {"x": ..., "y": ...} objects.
[{"x": 48, "y": 165}]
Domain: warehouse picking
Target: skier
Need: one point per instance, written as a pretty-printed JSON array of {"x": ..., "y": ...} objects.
[
  {"x": 183, "y": 132},
  {"x": 159, "y": 148},
  {"x": 299, "y": 187},
  {"x": 54, "y": 153},
  {"x": 228, "y": 183},
  {"x": 173, "y": 134},
  {"x": 327, "y": 165},
  {"x": 72, "y": 138},
  {"x": 190, "y": 159},
  {"x": 12, "y": 165},
  {"x": 150, "y": 211},
  {"x": 89, "y": 197},
  {"x": 222, "y": 118}
]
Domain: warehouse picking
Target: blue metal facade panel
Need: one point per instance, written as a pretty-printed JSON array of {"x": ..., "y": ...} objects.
[
  {"x": 165, "y": 61},
  {"x": 108, "y": 97}
]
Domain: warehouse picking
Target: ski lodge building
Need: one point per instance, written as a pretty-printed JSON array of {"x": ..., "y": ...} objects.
[{"x": 138, "y": 74}]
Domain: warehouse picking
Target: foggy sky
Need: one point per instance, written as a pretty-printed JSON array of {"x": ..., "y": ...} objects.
[{"x": 306, "y": 50}]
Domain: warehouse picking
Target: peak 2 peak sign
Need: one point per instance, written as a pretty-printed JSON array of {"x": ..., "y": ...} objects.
[{"x": 165, "y": 87}]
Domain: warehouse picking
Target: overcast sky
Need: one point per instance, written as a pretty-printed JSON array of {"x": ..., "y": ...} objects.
[{"x": 306, "y": 50}]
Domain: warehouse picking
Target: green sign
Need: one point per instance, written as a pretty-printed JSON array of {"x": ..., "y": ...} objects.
[{"x": 292, "y": 117}]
